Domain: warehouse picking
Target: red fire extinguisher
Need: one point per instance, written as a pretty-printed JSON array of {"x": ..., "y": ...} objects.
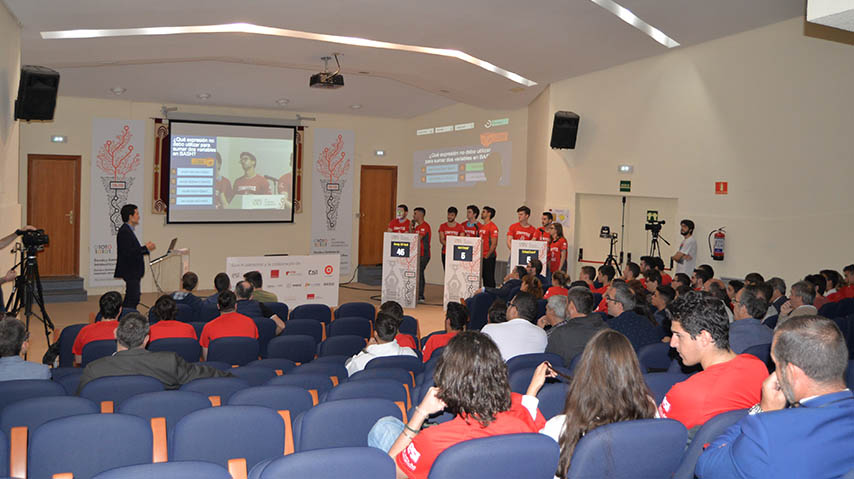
[{"x": 718, "y": 248}]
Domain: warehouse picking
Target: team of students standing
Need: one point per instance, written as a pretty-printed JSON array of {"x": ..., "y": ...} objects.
[{"x": 486, "y": 229}]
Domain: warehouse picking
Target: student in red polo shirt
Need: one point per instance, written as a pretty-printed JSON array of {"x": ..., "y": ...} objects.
[
  {"x": 557, "y": 248},
  {"x": 165, "y": 325},
  {"x": 471, "y": 227},
  {"x": 451, "y": 228},
  {"x": 521, "y": 230},
  {"x": 422, "y": 228},
  {"x": 230, "y": 323},
  {"x": 401, "y": 223},
  {"x": 110, "y": 306},
  {"x": 543, "y": 232},
  {"x": 489, "y": 234},
  {"x": 456, "y": 318}
]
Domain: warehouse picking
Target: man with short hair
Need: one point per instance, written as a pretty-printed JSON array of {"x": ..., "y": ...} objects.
[
  {"x": 834, "y": 283},
  {"x": 631, "y": 271},
  {"x": 778, "y": 296},
  {"x": 471, "y": 227},
  {"x": 521, "y": 230},
  {"x": 605, "y": 277},
  {"x": 813, "y": 440},
  {"x": 110, "y": 307},
  {"x": 221, "y": 283},
  {"x": 396, "y": 310},
  {"x": 189, "y": 281},
  {"x": 652, "y": 280},
  {"x": 229, "y": 323},
  {"x": 728, "y": 381},
  {"x": 543, "y": 233},
  {"x": 130, "y": 264},
  {"x": 799, "y": 303},
  {"x": 555, "y": 313},
  {"x": 747, "y": 329},
  {"x": 255, "y": 310},
  {"x": 381, "y": 344},
  {"x": 535, "y": 267},
  {"x": 132, "y": 359},
  {"x": 568, "y": 339},
  {"x": 250, "y": 183},
  {"x": 686, "y": 256},
  {"x": 257, "y": 280},
  {"x": 519, "y": 335},
  {"x": 512, "y": 282},
  {"x": 488, "y": 232},
  {"x": 14, "y": 343},
  {"x": 422, "y": 229},
  {"x": 754, "y": 279},
  {"x": 400, "y": 223},
  {"x": 456, "y": 318},
  {"x": 848, "y": 271},
  {"x": 700, "y": 278},
  {"x": 660, "y": 300},
  {"x": 639, "y": 330},
  {"x": 451, "y": 228},
  {"x": 588, "y": 275}
]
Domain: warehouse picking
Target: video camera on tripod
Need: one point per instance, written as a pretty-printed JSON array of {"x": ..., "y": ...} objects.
[
  {"x": 28, "y": 285},
  {"x": 37, "y": 239},
  {"x": 653, "y": 226}
]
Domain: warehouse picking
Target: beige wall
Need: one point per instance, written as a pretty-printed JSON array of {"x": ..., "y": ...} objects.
[
  {"x": 10, "y": 69},
  {"x": 769, "y": 110}
]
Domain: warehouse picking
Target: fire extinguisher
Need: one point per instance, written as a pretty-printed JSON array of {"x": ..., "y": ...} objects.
[{"x": 718, "y": 248}]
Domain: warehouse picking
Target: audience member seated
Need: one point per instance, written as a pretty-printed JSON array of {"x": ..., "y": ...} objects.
[
  {"x": 658, "y": 264},
  {"x": 799, "y": 303},
  {"x": 747, "y": 330},
  {"x": 605, "y": 277},
  {"x": 258, "y": 294},
  {"x": 519, "y": 335},
  {"x": 131, "y": 358},
  {"x": 189, "y": 281},
  {"x": 532, "y": 285},
  {"x": 755, "y": 279},
  {"x": 382, "y": 343},
  {"x": 778, "y": 296},
  {"x": 14, "y": 342},
  {"x": 254, "y": 309},
  {"x": 110, "y": 306},
  {"x": 680, "y": 279},
  {"x": 569, "y": 338},
  {"x": 652, "y": 280},
  {"x": 608, "y": 369},
  {"x": 588, "y": 275},
  {"x": 229, "y": 323},
  {"x": 535, "y": 267},
  {"x": 555, "y": 313},
  {"x": 818, "y": 282},
  {"x": 456, "y": 318},
  {"x": 221, "y": 283},
  {"x": 558, "y": 287},
  {"x": 813, "y": 440},
  {"x": 660, "y": 300},
  {"x": 621, "y": 304},
  {"x": 471, "y": 383},
  {"x": 732, "y": 288},
  {"x": 497, "y": 312},
  {"x": 701, "y": 277},
  {"x": 396, "y": 310},
  {"x": 512, "y": 281},
  {"x": 631, "y": 272},
  {"x": 727, "y": 381},
  {"x": 717, "y": 289},
  {"x": 165, "y": 309},
  {"x": 833, "y": 285}
]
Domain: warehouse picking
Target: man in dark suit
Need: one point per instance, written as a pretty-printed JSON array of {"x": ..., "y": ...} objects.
[
  {"x": 569, "y": 338},
  {"x": 512, "y": 282},
  {"x": 131, "y": 358},
  {"x": 130, "y": 264},
  {"x": 812, "y": 440}
]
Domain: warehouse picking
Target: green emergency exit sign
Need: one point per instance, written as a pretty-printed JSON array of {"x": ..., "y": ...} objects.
[{"x": 625, "y": 185}]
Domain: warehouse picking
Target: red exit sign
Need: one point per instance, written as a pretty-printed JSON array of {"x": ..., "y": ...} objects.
[{"x": 721, "y": 187}]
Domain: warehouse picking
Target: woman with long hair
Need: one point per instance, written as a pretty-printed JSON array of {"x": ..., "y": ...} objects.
[
  {"x": 559, "y": 285},
  {"x": 531, "y": 284},
  {"x": 557, "y": 248},
  {"x": 607, "y": 387},
  {"x": 471, "y": 382}
]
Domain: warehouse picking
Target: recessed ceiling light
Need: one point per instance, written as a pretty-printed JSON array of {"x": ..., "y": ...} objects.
[
  {"x": 355, "y": 107},
  {"x": 59, "y": 139},
  {"x": 203, "y": 96},
  {"x": 627, "y": 16},
  {"x": 282, "y": 101},
  {"x": 625, "y": 168},
  {"x": 282, "y": 32},
  {"x": 379, "y": 152},
  {"x": 117, "y": 90}
]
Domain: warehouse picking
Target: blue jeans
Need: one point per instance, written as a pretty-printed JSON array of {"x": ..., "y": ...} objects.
[{"x": 385, "y": 432}]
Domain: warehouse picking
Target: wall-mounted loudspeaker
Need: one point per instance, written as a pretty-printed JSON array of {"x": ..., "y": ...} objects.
[
  {"x": 36, "y": 93},
  {"x": 564, "y": 129}
]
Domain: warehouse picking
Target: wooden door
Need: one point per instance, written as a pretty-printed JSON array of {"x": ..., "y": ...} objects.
[
  {"x": 53, "y": 204},
  {"x": 377, "y": 202}
]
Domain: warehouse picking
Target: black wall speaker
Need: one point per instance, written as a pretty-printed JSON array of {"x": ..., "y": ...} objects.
[
  {"x": 36, "y": 93},
  {"x": 564, "y": 129}
]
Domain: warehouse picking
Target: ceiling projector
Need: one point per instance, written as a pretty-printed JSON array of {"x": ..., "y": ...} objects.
[{"x": 326, "y": 79}]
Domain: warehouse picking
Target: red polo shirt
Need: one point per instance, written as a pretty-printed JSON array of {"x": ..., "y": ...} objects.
[
  {"x": 171, "y": 329},
  {"x": 101, "y": 330},
  {"x": 228, "y": 325},
  {"x": 397, "y": 226},
  {"x": 445, "y": 231}
]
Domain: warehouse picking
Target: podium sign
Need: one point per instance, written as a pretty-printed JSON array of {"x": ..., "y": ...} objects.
[
  {"x": 296, "y": 280},
  {"x": 521, "y": 252},
  {"x": 400, "y": 268},
  {"x": 463, "y": 256}
]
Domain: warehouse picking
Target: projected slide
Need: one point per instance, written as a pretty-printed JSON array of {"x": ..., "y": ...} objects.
[
  {"x": 230, "y": 173},
  {"x": 482, "y": 158}
]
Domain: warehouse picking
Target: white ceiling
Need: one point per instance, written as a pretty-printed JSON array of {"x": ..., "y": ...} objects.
[{"x": 543, "y": 40}]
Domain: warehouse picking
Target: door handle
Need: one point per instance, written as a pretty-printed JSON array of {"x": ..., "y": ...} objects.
[{"x": 70, "y": 216}]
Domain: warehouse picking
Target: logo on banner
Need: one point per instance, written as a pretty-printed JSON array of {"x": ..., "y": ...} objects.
[
  {"x": 328, "y": 270},
  {"x": 274, "y": 274},
  {"x": 312, "y": 272},
  {"x": 288, "y": 273},
  {"x": 309, "y": 296}
]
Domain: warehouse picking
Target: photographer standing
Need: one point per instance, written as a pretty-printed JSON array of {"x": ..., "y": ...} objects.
[
  {"x": 10, "y": 275},
  {"x": 130, "y": 264},
  {"x": 686, "y": 257}
]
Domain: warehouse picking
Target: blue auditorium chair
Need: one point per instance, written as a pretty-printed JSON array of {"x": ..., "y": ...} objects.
[
  {"x": 280, "y": 398},
  {"x": 642, "y": 448},
  {"x": 208, "y": 312},
  {"x": 233, "y": 350},
  {"x": 343, "y": 423},
  {"x": 297, "y": 348},
  {"x": 97, "y": 350},
  {"x": 21, "y": 389},
  {"x": 654, "y": 357},
  {"x": 525, "y": 361},
  {"x": 409, "y": 363},
  {"x": 409, "y": 326},
  {"x": 315, "y": 384},
  {"x": 171, "y": 405},
  {"x": 317, "y": 312},
  {"x": 371, "y": 388},
  {"x": 660, "y": 383},
  {"x": 168, "y": 470},
  {"x": 308, "y": 327},
  {"x": 357, "y": 309},
  {"x": 186, "y": 313},
  {"x": 478, "y": 306},
  {"x": 279, "y": 309},
  {"x": 219, "y": 387},
  {"x": 188, "y": 348},
  {"x": 266, "y": 333},
  {"x": 398, "y": 374},
  {"x": 552, "y": 398},
  {"x": 336, "y": 371},
  {"x": 507, "y": 455},
  {"x": 199, "y": 327},
  {"x": 276, "y": 364},
  {"x": 350, "y": 325},
  {"x": 34, "y": 412},
  {"x": 255, "y": 376},
  {"x": 222, "y": 366},
  {"x": 69, "y": 381},
  {"x": 358, "y": 462},
  {"x": 341, "y": 346},
  {"x": 707, "y": 433},
  {"x": 115, "y": 389},
  {"x": 521, "y": 378},
  {"x": 4, "y": 457},
  {"x": 66, "y": 342},
  {"x": 761, "y": 351},
  {"x": 339, "y": 360}
]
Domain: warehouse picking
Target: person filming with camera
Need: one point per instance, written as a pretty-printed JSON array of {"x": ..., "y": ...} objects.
[
  {"x": 10, "y": 275},
  {"x": 686, "y": 257}
]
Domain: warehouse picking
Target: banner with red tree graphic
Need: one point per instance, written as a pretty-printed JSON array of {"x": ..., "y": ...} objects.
[
  {"x": 332, "y": 194},
  {"x": 116, "y": 178}
]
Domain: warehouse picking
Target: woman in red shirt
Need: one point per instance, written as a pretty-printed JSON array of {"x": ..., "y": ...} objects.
[
  {"x": 559, "y": 285},
  {"x": 557, "y": 248}
]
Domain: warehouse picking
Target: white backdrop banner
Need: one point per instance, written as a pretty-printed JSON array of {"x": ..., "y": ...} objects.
[
  {"x": 295, "y": 280},
  {"x": 117, "y": 178},
  {"x": 332, "y": 195},
  {"x": 400, "y": 268},
  {"x": 462, "y": 268}
]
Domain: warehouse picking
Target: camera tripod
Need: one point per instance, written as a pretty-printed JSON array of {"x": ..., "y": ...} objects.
[
  {"x": 611, "y": 259},
  {"x": 654, "y": 247},
  {"x": 28, "y": 290}
]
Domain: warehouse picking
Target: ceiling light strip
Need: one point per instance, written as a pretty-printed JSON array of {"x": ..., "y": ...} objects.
[
  {"x": 627, "y": 16},
  {"x": 282, "y": 32}
]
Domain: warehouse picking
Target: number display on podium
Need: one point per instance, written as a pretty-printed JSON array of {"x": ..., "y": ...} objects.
[
  {"x": 400, "y": 249},
  {"x": 463, "y": 252},
  {"x": 400, "y": 268},
  {"x": 522, "y": 252},
  {"x": 462, "y": 268}
]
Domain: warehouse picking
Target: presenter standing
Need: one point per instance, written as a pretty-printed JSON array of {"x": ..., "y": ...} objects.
[
  {"x": 401, "y": 223},
  {"x": 489, "y": 234},
  {"x": 451, "y": 228},
  {"x": 130, "y": 264},
  {"x": 422, "y": 228}
]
